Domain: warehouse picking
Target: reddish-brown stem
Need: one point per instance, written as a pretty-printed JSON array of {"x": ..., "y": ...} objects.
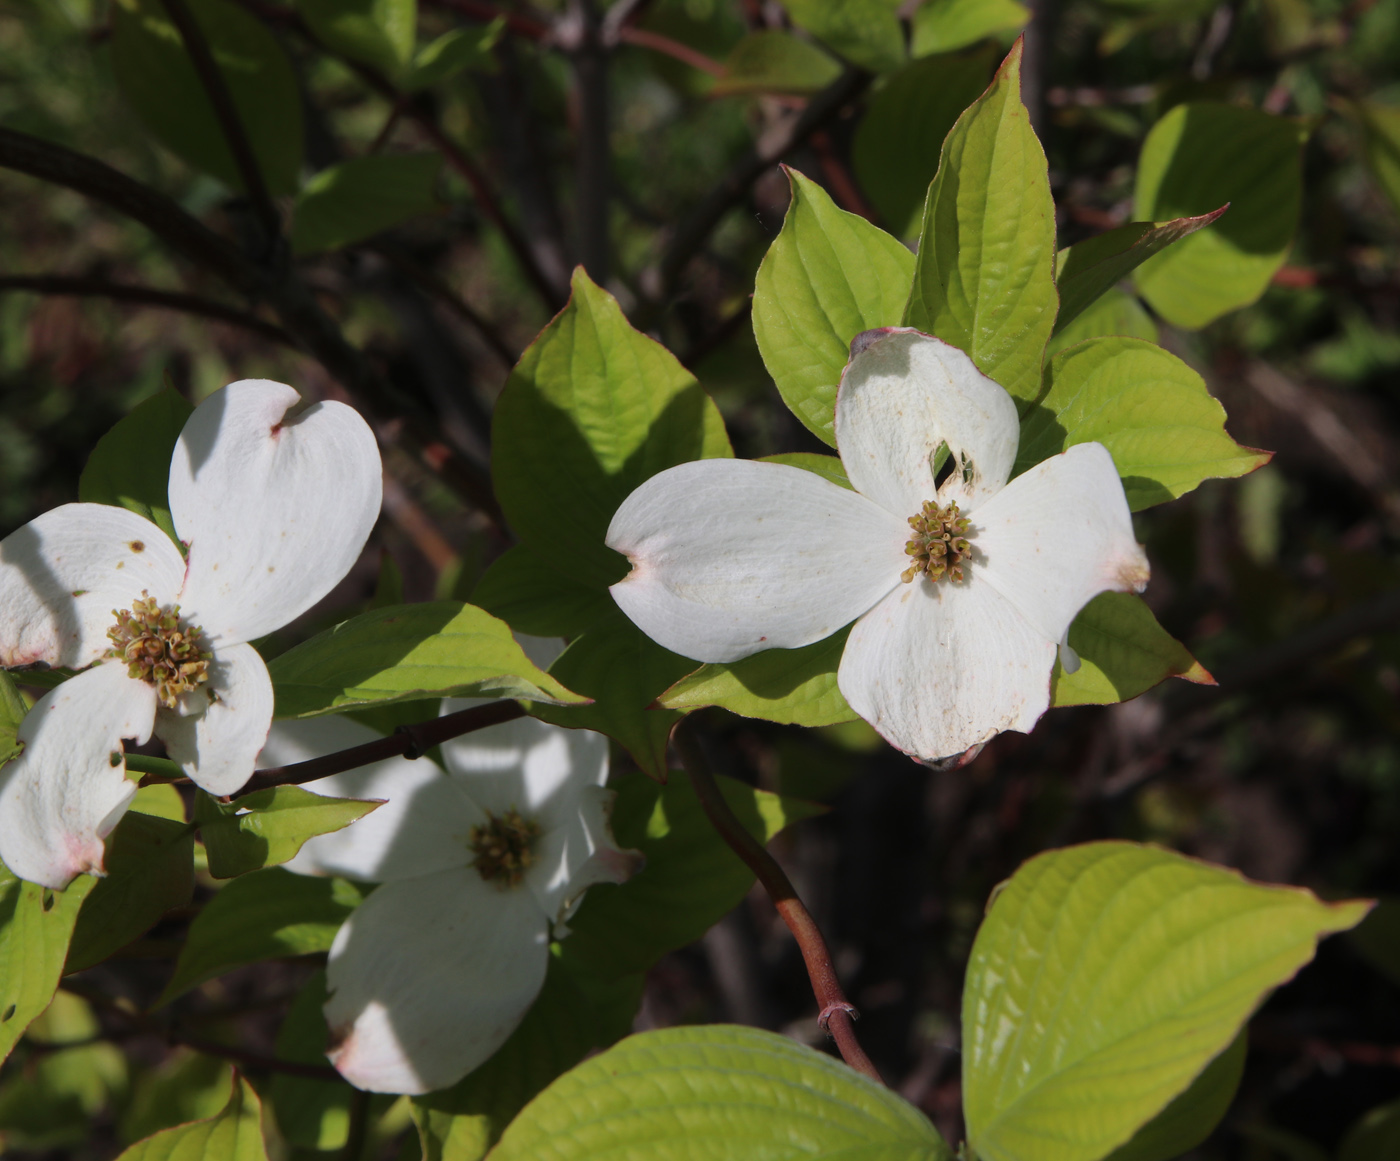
[
  {"x": 406, "y": 742},
  {"x": 644, "y": 38},
  {"x": 842, "y": 184},
  {"x": 227, "y": 114},
  {"x": 837, "y": 1013}
]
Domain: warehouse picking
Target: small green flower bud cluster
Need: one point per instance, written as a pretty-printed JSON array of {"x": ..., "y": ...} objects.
[
  {"x": 504, "y": 847},
  {"x": 940, "y": 544},
  {"x": 158, "y": 650}
]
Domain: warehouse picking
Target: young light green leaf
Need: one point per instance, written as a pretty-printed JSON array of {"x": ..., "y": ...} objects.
[
  {"x": 948, "y": 25},
  {"x": 150, "y": 870},
  {"x": 1380, "y": 129},
  {"x": 12, "y": 711},
  {"x": 270, "y": 914},
  {"x": 1197, "y": 158},
  {"x": 130, "y": 466},
  {"x": 268, "y": 826},
  {"x": 775, "y": 62},
  {"x": 1123, "y": 652},
  {"x": 36, "y": 925},
  {"x": 533, "y": 595},
  {"x": 454, "y": 52},
  {"x": 792, "y": 686},
  {"x": 691, "y": 879},
  {"x": 1104, "y": 979},
  {"x": 312, "y": 1113},
  {"x": 408, "y": 653},
  {"x": 357, "y": 199},
  {"x": 234, "y": 1135},
  {"x": 743, "y": 1092},
  {"x": 158, "y": 80},
  {"x": 900, "y": 138},
  {"x": 379, "y": 33},
  {"x": 1192, "y": 1116},
  {"x": 1376, "y": 1137},
  {"x": 1166, "y": 432},
  {"x": 1113, "y": 313},
  {"x": 187, "y": 1086},
  {"x": 984, "y": 280},
  {"x": 592, "y": 409},
  {"x": 624, "y": 671},
  {"x": 827, "y": 276},
  {"x": 563, "y": 1025},
  {"x": 1087, "y": 269},
  {"x": 865, "y": 32}
]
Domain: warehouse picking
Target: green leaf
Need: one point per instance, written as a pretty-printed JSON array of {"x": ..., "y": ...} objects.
[
  {"x": 1123, "y": 652},
  {"x": 234, "y": 1135},
  {"x": 36, "y": 924},
  {"x": 792, "y": 686},
  {"x": 379, "y": 33},
  {"x": 314, "y": 1114},
  {"x": 1378, "y": 938},
  {"x": 359, "y": 198},
  {"x": 624, "y": 671},
  {"x": 865, "y": 32},
  {"x": 188, "y": 1086},
  {"x": 270, "y": 914},
  {"x": 12, "y": 711},
  {"x": 592, "y": 409},
  {"x": 830, "y": 468},
  {"x": 455, "y": 52},
  {"x": 742, "y": 1092},
  {"x": 562, "y": 1026},
  {"x": 1195, "y": 159},
  {"x": 158, "y": 80},
  {"x": 150, "y": 870},
  {"x": 1087, "y": 269},
  {"x": 408, "y": 653},
  {"x": 1166, "y": 432},
  {"x": 533, "y": 595},
  {"x": 1192, "y": 1116},
  {"x": 898, "y": 142},
  {"x": 948, "y": 25},
  {"x": 775, "y": 62},
  {"x": 130, "y": 466},
  {"x": 985, "y": 281},
  {"x": 691, "y": 879},
  {"x": 268, "y": 826},
  {"x": 1380, "y": 128},
  {"x": 827, "y": 276},
  {"x": 1103, "y": 981},
  {"x": 1376, "y": 1137},
  {"x": 1113, "y": 313}
]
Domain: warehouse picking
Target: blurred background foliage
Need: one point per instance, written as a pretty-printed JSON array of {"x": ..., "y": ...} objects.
[{"x": 1286, "y": 585}]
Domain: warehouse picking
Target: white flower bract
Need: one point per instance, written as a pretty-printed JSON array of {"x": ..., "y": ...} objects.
[
  {"x": 274, "y": 511},
  {"x": 431, "y": 973},
  {"x": 730, "y": 557}
]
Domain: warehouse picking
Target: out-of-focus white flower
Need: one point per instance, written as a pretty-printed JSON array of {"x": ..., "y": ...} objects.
[
  {"x": 274, "y": 512},
  {"x": 478, "y": 866},
  {"x": 958, "y": 625}
]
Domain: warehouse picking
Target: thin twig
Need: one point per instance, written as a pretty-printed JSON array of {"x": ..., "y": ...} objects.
[
  {"x": 235, "y": 135},
  {"x": 405, "y": 742},
  {"x": 656, "y": 42},
  {"x": 590, "y": 61},
  {"x": 837, "y": 1013},
  {"x": 359, "y": 1126},
  {"x": 60, "y": 285}
]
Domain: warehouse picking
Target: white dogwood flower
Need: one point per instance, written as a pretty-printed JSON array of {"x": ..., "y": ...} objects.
[
  {"x": 274, "y": 511},
  {"x": 957, "y": 626},
  {"x": 479, "y": 868}
]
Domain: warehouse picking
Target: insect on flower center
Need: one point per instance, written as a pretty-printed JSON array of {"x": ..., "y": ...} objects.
[
  {"x": 159, "y": 649},
  {"x": 940, "y": 547},
  {"x": 504, "y": 847}
]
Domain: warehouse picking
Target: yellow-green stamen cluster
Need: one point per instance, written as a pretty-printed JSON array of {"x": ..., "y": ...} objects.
[
  {"x": 940, "y": 544},
  {"x": 504, "y": 846},
  {"x": 158, "y": 650}
]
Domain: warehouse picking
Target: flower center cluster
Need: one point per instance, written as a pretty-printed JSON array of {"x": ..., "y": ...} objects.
[
  {"x": 504, "y": 846},
  {"x": 940, "y": 544},
  {"x": 158, "y": 649}
]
